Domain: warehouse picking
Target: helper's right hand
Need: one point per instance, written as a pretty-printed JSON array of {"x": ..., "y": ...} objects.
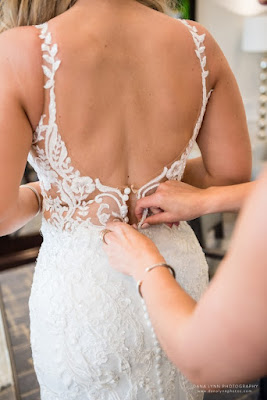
[{"x": 172, "y": 202}]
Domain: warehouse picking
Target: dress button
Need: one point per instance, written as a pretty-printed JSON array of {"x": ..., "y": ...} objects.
[
  {"x": 127, "y": 190},
  {"x": 124, "y": 210}
]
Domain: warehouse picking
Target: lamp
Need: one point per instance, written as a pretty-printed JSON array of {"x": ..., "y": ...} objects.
[{"x": 255, "y": 40}]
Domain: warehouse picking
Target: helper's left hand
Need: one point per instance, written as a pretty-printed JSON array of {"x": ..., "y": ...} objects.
[{"x": 129, "y": 251}]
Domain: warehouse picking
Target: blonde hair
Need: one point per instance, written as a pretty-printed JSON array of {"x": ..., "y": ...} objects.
[{"x": 33, "y": 12}]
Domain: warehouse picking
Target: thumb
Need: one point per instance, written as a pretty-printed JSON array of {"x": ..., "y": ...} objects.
[{"x": 146, "y": 202}]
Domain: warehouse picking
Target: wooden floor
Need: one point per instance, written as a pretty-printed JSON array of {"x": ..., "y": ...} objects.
[{"x": 16, "y": 286}]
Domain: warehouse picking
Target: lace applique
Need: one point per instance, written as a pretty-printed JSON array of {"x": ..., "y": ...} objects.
[
  {"x": 70, "y": 198},
  {"x": 53, "y": 165},
  {"x": 176, "y": 171},
  {"x": 94, "y": 338}
]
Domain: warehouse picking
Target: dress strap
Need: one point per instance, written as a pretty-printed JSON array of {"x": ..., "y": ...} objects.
[
  {"x": 178, "y": 167},
  {"x": 49, "y": 52},
  {"x": 200, "y": 53}
]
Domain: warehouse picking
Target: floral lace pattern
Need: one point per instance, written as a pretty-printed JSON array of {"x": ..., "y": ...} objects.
[
  {"x": 91, "y": 336},
  {"x": 68, "y": 202}
]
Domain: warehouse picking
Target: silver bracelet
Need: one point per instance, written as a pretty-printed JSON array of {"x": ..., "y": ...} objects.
[
  {"x": 37, "y": 196},
  {"x": 139, "y": 283}
]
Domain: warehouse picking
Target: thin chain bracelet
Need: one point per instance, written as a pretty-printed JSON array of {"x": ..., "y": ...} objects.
[
  {"x": 37, "y": 196},
  {"x": 139, "y": 283}
]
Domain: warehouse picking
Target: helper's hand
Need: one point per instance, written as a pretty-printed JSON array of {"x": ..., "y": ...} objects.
[
  {"x": 173, "y": 201},
  {"x": 129, "y": 251}
]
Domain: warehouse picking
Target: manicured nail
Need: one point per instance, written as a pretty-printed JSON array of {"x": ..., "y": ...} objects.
[{"x": 145, "y": 225}]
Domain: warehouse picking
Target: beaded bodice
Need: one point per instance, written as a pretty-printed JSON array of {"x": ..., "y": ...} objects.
[{"x": 72, "y": 199}]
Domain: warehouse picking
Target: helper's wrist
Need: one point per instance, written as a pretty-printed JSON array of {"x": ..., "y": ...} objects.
[
  {"x": 149, "y": 270},
  {"x": 139, "y": 272},
  {"x": 209, "y": 200}
]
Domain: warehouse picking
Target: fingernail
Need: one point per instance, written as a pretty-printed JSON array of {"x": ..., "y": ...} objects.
[{"x": 145, "y": 225}]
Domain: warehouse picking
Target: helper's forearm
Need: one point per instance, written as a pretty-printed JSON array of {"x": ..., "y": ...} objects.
[
  {"x": 226, "y": 198},
  {"x": 169, "y": 314},
  {"x": 22, "y": 212}
]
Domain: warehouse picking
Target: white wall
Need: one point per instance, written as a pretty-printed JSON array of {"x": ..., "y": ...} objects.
[{"x": 224, "y": 19}]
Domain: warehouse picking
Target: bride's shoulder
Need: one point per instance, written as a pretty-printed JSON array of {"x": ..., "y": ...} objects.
[
  {"x": 215, "y": 58},
  {"x": 19, "y": 48},
  {"x": 196, "y": 28},
  {"x": 20, "y": 65},
  {"x": 181, "y": 28}
]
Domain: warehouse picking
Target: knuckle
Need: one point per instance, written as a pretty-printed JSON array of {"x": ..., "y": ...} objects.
[
  {"x": 165, "y": 184},
  {"x": 159, "y": 195}
]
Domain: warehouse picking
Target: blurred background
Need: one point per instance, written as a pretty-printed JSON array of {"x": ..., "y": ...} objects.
[{"x": 237, "y": 25}]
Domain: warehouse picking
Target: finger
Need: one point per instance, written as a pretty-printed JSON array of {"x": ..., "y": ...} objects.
[
  {"x": 162, "y": 217},
  {"x": 114, "y": 225},
  {"x": 108, "y": 238},
  {"x": 119, "y": 227},
  {"x": 146, "y": 202},
  {"x": 155, "y": 210}
]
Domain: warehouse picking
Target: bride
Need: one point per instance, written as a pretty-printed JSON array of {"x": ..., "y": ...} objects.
[{"x": 105, "y": 98}]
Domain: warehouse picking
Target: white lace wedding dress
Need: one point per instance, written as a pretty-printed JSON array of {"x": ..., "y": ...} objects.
[{"x": 91, "y": 337}]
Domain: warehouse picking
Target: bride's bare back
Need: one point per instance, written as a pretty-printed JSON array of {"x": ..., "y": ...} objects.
[
  {"x": 130, "y": 91},
  {"x": 124, "y": 91}
]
